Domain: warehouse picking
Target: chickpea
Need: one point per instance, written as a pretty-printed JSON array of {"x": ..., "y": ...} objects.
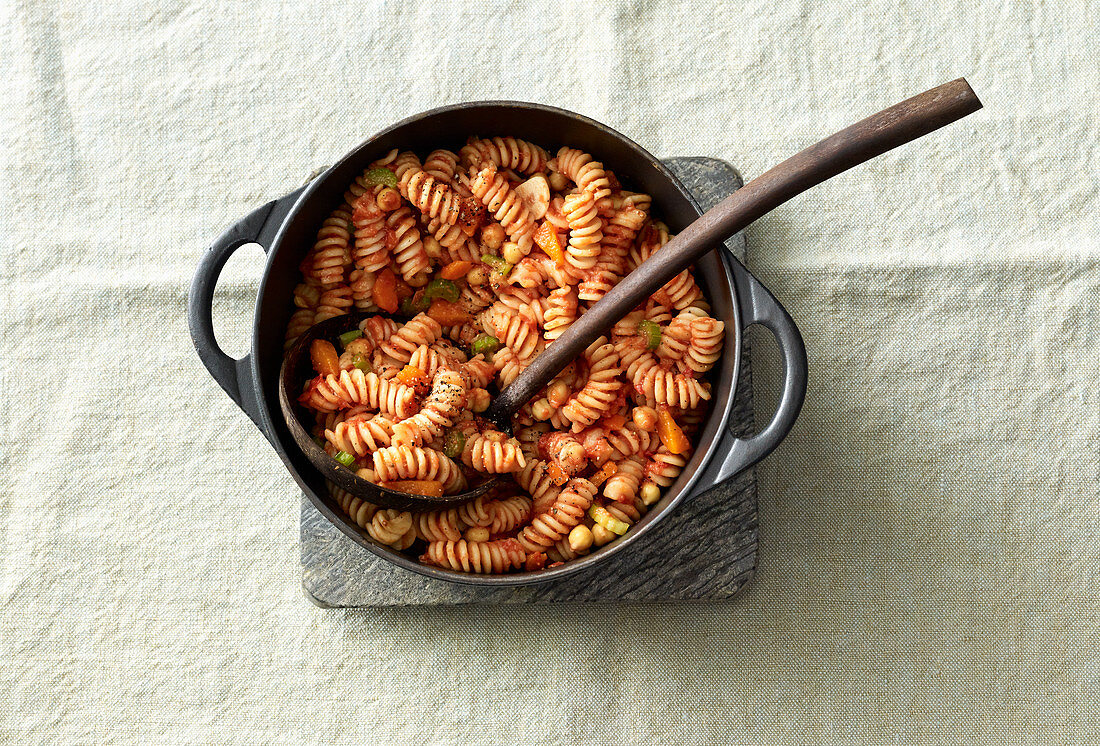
[
  {"x": 580, "y": 539},
  {"x": 388, "y": 199},
  {"x": 541, "y": 410},
  {"x": 572, "y": 457},
  {"x": 432, "y": 247},
  {"x": 558, "y": 393},
  {"x": 419, "y": 280},
  {"x": 651, "y": 493},
  {"x": 558, "y": 181},
  {"x": 478, "y": 400},
  {"x": 479, "y": 275},
  {"x": 492, "y": 236},
  {"x": 645, "y": 418},
  {"x": 601, "y": 535},
  {"x": 512, "y": 253},
  {"x": 476, "y": 533},
  {"x": 359, "y": 346}
]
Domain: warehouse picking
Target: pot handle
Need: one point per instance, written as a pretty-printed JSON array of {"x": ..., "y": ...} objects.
[
  {"x": 759, "y": 306},
  {"x": 235, "y": 376}
]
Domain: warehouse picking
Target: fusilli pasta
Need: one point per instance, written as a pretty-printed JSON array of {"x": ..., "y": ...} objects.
[{"x": 490, "y": 254}]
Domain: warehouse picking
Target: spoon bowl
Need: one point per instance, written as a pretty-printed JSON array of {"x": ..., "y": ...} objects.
[{"x": 297, "y": 368}]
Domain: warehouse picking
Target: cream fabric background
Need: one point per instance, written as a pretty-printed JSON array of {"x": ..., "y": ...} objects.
[{"x": 930, "y": 561}]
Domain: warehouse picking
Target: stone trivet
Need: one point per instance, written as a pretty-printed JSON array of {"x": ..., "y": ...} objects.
[{"x": 704, "y": 550}]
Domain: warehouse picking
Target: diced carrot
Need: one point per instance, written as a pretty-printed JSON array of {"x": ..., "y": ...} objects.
[
  {"x": 607, "y": 471},
  {"x": 670, "y": 433},
  {"x": 557, "y": 475},
  {"x": 547, "y": 239},
  {"x": 615, "y": 422},
  {"x": 456, "y": 270},
  {"x": 535, "y": 562},
  {"x": 423, "y": 487},
  {"x": 323, "y": 355},
  {"x": 385, "y": 291},
  {"x": 411, "y": 376},
  {"x": 447, "y": 313}
]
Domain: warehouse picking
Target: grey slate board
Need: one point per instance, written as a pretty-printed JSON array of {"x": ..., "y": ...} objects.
[{"x": 706, "y": 550}]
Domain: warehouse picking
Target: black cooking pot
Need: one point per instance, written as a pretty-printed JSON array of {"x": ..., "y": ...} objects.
[{"x": 287, "y": 228}]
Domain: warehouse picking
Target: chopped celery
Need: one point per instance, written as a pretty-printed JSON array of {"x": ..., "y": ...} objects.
[
  {"x": 485, "y": 344},
  {"x": 600, "y": 515},
  {"x": 498, "y": 264},
  {"x": 383, "y": 176},
  {"x": 651, "y": 332},
  {"x": 454, "y": 443},
  {"x": 360, "y": 362},
  {"x": 345, "y": 458},
  {"x": 348, "y": 337},
  {"x": 440, "y": 288}
]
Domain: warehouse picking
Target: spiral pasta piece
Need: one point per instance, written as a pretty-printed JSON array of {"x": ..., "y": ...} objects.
[
  {"x": 422, "y": 329},
  {"x": 442, "y": 164},
  {"x": 682, "y": 290},
  {"x": 362, "y": 289},
  {"x": 600, "y": 390},
  {"x": 456, "y": 244},
  {"x": 432, "y": 196},
  {"x": 477, "y": 512},
  {"x": 358, "y": 510},
  {"x": 567, "y": 511},
  {"x": 493, "y": 452},
  {"x": 660, "y": 386},
  {"x": 476, "y": 556},
  {"x": 441, "y": 409},
  {"x": 623, "y": 485},
  {"x": 398, "y": 463},
  {"x": 706, "y": 344},
  {"x": 562, "y": 311},
  {"x": 585, "y": 232},
  {"x": 504, "y": 153},
  {"x": 392, "y": 527},
  {"x": 438, "y": 525},
  {"x": 300, "y": 322},
  {"x": 371, "y": 253},
  {"x": 330, "y": 254},
  {"x": 535, "y": 479},
  {"x": 663, "y": 466},
  {"x": 585, "y": 172},
  {"x": 436, "y": 357},
  {"x": 408, "y": 248},
  {"x": 599, "y": 280},
  {"x": 508, "y": 514},
  {"x": 512, "y": 331},
  {"x": 675, "y": 339},
  {"x": 377, "y": 329},
  {"x": 651, "y": 238},
  {"x": 629, "y": 440},
  {"x": 361, "y": 435},
  {"x": 629, "y": 512},
  {"x": 507, "y": 366},
  {"x": 480, "y": 371},
  {"x": 331, "y": 392},
  {"x": 505, "y": 205}
]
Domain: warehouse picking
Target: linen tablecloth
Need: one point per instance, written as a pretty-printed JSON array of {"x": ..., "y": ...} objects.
[{"x": 930, "y": 552}]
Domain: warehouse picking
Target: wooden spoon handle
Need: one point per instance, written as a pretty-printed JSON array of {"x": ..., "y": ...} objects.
[{"x": 851, "y": 146}]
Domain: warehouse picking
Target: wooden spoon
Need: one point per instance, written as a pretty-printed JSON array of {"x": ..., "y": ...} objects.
[{"x": 862, "y": 141}]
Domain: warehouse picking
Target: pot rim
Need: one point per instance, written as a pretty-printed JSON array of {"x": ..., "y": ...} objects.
[{"x": 658, "y": 512}]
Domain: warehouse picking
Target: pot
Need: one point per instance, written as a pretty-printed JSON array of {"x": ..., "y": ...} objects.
[{"x": 286, "y": 228}]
